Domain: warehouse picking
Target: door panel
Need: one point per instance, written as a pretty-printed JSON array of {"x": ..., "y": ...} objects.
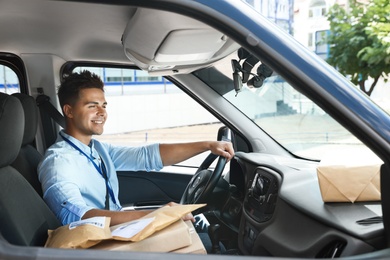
[{"x": 151, "y": 188}]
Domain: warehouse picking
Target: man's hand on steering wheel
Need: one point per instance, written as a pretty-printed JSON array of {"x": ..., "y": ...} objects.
[
  {"x": 205, "y": 180},
  {"x": 222, "y": 148}
]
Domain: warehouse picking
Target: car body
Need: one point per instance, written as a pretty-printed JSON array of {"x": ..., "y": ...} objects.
[{"x": 193, "y": 45}]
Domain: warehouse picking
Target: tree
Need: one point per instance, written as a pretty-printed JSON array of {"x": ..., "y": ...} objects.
[{"x": 359, "y": 41}]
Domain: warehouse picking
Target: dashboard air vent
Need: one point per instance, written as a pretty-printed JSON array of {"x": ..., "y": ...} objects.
[{"x": 370, "y": 221}]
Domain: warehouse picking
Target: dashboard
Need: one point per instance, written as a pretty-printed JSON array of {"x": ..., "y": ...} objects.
[{"x": 283, "y": 213}]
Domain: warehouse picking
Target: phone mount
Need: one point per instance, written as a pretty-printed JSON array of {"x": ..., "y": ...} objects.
[{"x": 242, "y": 73}]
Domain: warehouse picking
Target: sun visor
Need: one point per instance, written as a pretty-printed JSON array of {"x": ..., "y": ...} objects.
[
  {"x": 180, "y": 44},
  {"x": 185, "y": 46}
]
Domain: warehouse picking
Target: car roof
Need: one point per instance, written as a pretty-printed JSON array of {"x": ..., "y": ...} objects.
[
  {"x": 68, "y": 30},
  {"x": 79, "y": 31}
]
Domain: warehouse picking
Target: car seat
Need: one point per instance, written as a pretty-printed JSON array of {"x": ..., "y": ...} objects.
[
  {"x": 28, "y": 158},
  {"x": 24, "y": 216}
]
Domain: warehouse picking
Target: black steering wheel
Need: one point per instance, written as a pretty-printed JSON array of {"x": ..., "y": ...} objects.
[{"x": 204, "y": 181}]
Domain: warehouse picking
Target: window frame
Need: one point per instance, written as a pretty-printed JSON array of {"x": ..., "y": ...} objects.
[{"x": 16, "y": 64}]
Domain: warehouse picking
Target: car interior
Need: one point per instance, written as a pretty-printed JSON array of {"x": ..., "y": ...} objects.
[{"x": 266, "y": 202}]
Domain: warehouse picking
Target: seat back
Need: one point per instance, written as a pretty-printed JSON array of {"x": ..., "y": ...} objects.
[
  {"x": 28, "y": 158},
  {"x": 24, "y": 216}
]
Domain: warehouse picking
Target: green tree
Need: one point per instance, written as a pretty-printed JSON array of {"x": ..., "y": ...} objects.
[{"x": 359, "y": 41}]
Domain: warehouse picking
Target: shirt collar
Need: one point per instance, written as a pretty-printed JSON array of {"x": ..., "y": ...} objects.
[{"x": 88, "y": 149}]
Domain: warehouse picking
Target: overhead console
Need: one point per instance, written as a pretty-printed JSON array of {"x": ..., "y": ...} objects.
[{"x": 161, "y": 44}]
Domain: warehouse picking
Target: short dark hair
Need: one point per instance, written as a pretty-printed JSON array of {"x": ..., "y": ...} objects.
[{"x": 69, "y": 90}]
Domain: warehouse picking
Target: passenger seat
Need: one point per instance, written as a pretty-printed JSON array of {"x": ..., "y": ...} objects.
[
  {"x": 24, "y": 216},
  {"x": 28, "y": 158}
]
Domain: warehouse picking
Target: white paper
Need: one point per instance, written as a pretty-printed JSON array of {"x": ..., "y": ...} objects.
[
  {"x": 132, "y": 228},
  {"x": 94, "y": 221}
]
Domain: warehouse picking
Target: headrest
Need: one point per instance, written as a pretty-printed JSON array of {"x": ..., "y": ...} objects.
[
  {"x": 11, "y": 128},
  {"x": 30, "y": 109}
]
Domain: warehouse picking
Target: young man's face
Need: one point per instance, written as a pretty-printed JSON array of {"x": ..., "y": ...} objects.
[{"x": 88, "y": 115}]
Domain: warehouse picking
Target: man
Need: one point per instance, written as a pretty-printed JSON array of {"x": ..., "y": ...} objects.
[{"x": 78, "y": 173}]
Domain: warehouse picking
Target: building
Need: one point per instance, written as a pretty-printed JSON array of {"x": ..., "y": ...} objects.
[
  {"x": 280, "y": 12},
  {"x": 311, "y": 25}
]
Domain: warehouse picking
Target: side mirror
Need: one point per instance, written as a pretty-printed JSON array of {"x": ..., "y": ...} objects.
[{"x": 224, "y": 134}]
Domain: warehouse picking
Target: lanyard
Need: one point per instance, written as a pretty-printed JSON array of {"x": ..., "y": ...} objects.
[{"x": 102, "y": 170}]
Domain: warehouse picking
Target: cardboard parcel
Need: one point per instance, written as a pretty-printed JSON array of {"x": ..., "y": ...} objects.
[
  {"x": 90, "y": 232},
  {"x": 80, "y": 234},
  {"x": 350, "y": 177},
  {"x": 174, "y": 237}
]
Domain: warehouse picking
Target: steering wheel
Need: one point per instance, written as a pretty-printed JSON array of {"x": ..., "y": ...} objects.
[{"x": 204, "y": 181}]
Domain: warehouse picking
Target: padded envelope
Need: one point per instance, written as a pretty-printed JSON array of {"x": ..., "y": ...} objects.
[{"x": 350, "y": 177}]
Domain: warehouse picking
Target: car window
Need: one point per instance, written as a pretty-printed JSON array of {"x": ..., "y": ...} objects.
[
  {"x": 144, "y": 109},
  {"x": 289, "y": 117},
  {"x": 9, "y": 82}
]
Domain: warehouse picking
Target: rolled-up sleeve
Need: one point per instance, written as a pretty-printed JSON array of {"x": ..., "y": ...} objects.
[
  {"x": 66, "y": 202},
  {"x": 61, "y": 195}
]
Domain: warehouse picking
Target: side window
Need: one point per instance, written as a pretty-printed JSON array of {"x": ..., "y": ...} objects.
[
  {"x": 317, "y": 8},
  {"x": 144, "y": 109},
  {"x": 9, "y": 82}
]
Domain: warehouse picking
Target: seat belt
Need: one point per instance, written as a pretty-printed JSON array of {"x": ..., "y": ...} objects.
[
  {"x": 43, "y": 101},
  {"x": 48, "y": 113}
]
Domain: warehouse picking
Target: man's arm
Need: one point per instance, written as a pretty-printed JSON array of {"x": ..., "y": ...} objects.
[
  {"x": 175, "y": 153},
  {"x": 119, "y": 217}
]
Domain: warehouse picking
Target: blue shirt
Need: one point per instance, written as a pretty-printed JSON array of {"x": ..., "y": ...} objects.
[{"x": 72, "y": 185}]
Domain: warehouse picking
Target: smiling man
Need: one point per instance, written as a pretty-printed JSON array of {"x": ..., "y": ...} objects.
[{"x": 78, "y": 173}]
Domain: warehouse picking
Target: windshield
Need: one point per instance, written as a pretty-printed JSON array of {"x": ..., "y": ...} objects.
[{"x": 285, "y": 114}]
